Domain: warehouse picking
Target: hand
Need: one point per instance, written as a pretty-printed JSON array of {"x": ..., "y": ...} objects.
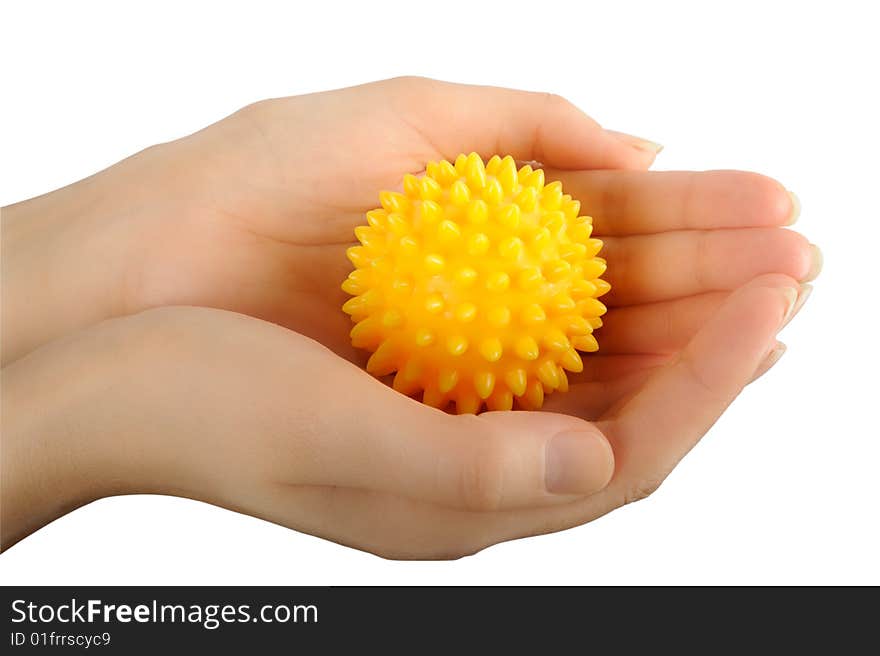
[
  {"x": 254, "y": 213},
  {"x": 245, "y": 414}
]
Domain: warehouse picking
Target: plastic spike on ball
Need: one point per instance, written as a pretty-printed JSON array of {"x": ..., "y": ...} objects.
[{"x": 478, "y": 286}]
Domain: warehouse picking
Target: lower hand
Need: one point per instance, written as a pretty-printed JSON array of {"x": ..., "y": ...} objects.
[{"x": 248, "y": 415}]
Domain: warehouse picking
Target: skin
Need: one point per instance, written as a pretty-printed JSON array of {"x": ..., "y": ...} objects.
[{"x": 171, "y": 325}]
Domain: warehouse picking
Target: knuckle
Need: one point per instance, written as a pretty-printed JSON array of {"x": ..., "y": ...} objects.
[
  {"x": 688, "y": 206},
  {"x": 481, "y": 479},
  {"x": 554, "y": 100},
  {"x": 457, "y": 552},
  {"x": 409, "y": 82},
  {"x": 256, "y": 111},
  {"x": 704, "y": 264},
  {"x": 709, "y": 388}
]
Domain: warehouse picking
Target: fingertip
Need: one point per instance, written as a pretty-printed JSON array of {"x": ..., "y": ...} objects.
[
  {"x": 772, "y": 203},
  {"x": 816, "y": 262},
  {"x": 794, "y": 209},
  {"x": 809, "y": 259},
  {"x": 789, "y": 298},
  {"x": 773, "y": 356},
  {"x": 803, "y": 295},
  {"x": 639, "y": 143},
  {"x": 626, "y": 152},
  {"x": 760, "y": 309},
  {"x": 773, "y": 280},
  {"x": 794, "y": 254}
]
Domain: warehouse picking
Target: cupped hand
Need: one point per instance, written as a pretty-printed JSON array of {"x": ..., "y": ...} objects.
[
  {"x": 245, "y": 414},
  {"x": 268, "y": 199},
  {"x": 265, "y": 202},
  {"x": 254, "y": 213}
]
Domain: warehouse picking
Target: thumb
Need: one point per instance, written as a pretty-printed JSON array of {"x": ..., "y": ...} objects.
[
  {"x": 377, "y": 439},
  {"x": 457, "y": 118}
]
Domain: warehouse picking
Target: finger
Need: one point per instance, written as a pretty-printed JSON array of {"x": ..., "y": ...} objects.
[
  {"x": 649, "y": 268},
  {"x": 679, "y": 403},
  {"x": 456, "y": 118},
  {"x": 803, "y": 295},
  {"x": 375, "y": 438},
  {"x": 778, "y": 349},
  {"x": 659, "y": 328},
  {"x": 642, "y": 202},
  {"x": 590, "y": 401},
  {"x": 602, "y": 368},
  {"x": 772, "y": 357}
]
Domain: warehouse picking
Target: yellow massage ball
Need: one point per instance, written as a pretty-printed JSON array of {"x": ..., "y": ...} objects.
[{"x": 478, "y": 286}]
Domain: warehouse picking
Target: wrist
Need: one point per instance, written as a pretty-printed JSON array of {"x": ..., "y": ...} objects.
[
  {"x": 49, "y": 463},
  {"x": 67, "y": 255},
  {"x": 80, "y": 423}
]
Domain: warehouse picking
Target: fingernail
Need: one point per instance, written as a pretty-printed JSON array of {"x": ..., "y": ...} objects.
[
  {"x": 815, "y": 263},
  {"x": 636, "y": 142},
  {"x": 577, "y": 462},
  {"x": 767, "y": 363},
  {"x": 795, "y": 208},
  {"x": 791, "y": 296},
  {"x": 803, "y": 294}
]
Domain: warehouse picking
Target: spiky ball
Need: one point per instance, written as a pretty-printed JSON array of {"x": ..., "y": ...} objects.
[{"x": 478, "y": 284}]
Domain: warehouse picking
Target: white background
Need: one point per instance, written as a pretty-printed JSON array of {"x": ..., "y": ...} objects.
[{"x": 784, "y": 489}]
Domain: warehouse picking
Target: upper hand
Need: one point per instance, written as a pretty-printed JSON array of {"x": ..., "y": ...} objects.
[{"x": 268, "y": 199}]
